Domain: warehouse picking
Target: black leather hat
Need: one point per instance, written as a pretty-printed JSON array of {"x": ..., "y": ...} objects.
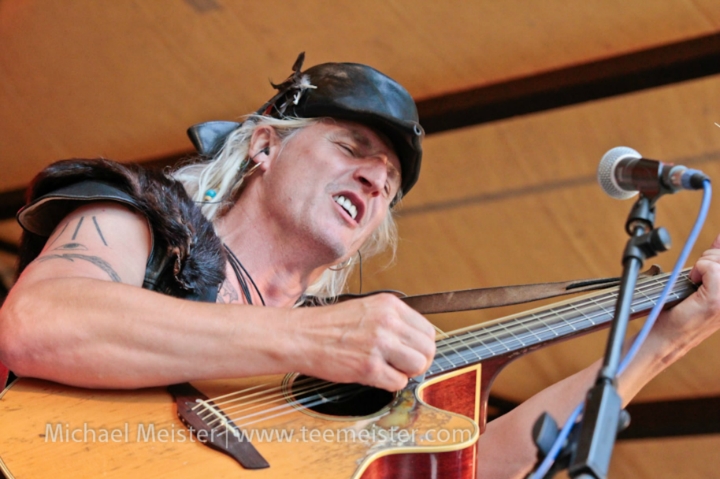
[{"x": 347, "y": 91}]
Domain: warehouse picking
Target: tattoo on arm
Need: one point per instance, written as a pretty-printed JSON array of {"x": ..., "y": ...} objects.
[
  {"x": 77, "y": 228},
  {"x": 96, "y": 260},
  {"x": 60, "y": 234},
  {"x": 72, "y": 246},
  {"x": 227, "y": 293},
  {"x": 97, "y": 227},
  {"x": 69, "y": 251}
]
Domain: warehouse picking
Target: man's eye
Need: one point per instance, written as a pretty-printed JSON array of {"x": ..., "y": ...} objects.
[{"x": 347, "y": 148}]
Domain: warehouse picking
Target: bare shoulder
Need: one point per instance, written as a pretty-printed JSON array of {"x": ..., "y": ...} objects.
[{"x": 104, "y": 240}]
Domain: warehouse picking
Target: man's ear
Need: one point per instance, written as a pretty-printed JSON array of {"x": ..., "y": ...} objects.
[{"x": 264, "y": 146}]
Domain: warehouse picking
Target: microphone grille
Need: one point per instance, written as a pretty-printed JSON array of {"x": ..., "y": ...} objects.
[{"x": 606, "y": 171}]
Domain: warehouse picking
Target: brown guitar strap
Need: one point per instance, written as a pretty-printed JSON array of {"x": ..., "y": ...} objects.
[{"x": 482, "y": 298}]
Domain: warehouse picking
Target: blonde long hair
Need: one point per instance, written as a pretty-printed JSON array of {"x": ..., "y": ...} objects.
[{"x": 225, "y": 174}]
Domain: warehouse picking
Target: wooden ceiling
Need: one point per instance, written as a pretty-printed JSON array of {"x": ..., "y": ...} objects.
[{"x": 507, "y": 201}]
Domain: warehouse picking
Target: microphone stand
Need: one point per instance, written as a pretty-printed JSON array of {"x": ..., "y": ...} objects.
[
  {"x": 588, "y": 450},
  {"x": 603, "y": 416}
]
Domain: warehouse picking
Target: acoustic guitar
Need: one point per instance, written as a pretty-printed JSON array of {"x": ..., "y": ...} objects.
[{"x": 292, "y": 426}]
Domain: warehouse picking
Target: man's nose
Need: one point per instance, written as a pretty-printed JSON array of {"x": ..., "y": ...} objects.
[{"x": 372, "y": 174}]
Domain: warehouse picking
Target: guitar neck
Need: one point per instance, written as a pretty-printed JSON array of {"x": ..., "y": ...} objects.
[{"x": 516, "y": 334}]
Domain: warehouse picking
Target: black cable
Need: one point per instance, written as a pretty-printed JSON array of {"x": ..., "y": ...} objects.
[{"x": 239, "y": 269}]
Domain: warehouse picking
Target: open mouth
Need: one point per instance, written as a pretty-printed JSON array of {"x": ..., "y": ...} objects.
[{"x": 347, "y": 205}]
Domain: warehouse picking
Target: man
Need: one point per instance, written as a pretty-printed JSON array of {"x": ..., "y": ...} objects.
[{"x": 293, "y": 194}]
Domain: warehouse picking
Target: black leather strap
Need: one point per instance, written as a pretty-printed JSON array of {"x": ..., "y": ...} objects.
[{"x": 44, "y": 214}]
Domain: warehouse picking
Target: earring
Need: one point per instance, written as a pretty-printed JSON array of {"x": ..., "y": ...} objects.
[
  {"x": 252, "y": 169},
  {"x": 210, "y": 195},
  {"x": 347, "y": 263},
  {"x": 341, "y": 266}
]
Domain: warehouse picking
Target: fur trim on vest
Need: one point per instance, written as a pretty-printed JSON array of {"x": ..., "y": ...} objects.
[{"x": 188, "y": 257}]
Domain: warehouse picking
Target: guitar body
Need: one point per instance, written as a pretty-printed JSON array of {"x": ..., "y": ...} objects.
[
  {"x": 47, "y": 427},
  {"x": 4, "y": 373},
  {"x": 425, "y": 431}
]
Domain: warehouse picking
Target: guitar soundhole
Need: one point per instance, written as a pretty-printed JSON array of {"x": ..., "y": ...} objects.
[{"x": 336, "y": 399}]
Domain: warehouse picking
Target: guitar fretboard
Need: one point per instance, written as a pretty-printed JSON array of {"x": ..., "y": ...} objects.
[{"x": 520, "y": 332}]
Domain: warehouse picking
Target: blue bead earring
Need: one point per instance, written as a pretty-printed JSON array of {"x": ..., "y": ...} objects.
[{"x": 210, "y": 195}]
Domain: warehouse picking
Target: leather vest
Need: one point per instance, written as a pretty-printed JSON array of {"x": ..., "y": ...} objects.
[{"x": 187, "y": 259}]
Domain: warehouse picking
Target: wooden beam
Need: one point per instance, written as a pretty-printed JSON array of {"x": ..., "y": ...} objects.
[
  {"x": 7, "y": 247},
  {"x": 664, "y": 65},
  {"x": 10, "y": 202},
  {"x": 652, "y": 419},
  {"x": 680, "y": 417}
]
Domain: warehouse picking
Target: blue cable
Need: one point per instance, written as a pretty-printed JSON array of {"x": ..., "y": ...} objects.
[
  {"x": 547, "y": 463},
  {"x": 684, "y": 254}
]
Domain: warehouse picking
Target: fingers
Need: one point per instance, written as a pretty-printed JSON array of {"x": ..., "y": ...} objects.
[
  {"x": 704, "y": 263},
  {"x": 377, "y": 341},
  {"x": 401, "y": 341},
  {"x": 699, "y": 315},
  {"x": 707, "y": 269},
  {"x": 414, "y": 319},
  {"x": 415, "y": 347},
  {"x": 409, "y": 362}
]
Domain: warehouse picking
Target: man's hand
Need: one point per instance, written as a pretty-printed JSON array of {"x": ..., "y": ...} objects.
[
  {"x": 377, "y": 340},
  {"x": 698, "y": 316}
]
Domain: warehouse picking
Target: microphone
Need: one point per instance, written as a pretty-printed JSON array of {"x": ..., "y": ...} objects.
[{"x": 623, "y": 172}]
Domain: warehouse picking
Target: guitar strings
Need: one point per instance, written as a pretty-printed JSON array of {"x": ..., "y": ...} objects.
[
  {"x": 490, "y": 332},
  {"x": 310, "y": 401},
  {"x": 283, "y": 413},
  {"x": 518, "y": 324},
  {"x": 532, "y": 318},
  {"x": 553, "y": 327},
  {"x": 450, "y": 342},
  {"x": 511, "y": 332},
  {"x": 440, "y": 350},
  {"x": 284, "y": 407},
  {"x": 216, "y": 399},
  {"x": 552, "y": 311},
  {"x": 307, "y": 385},
  {"x": 211, "y": 410},
  {"x": 265, "y": 395},
  {"x": 521, "y": 323},
  {"x": 270, "y": 394},
  {"x": 440, "y": 331},
  {"x": 277, "y": 394}
]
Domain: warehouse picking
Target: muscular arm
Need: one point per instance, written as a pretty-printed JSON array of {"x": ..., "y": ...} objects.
[
  {"x": 506, "y": 449},
  {"x": 78, "y": 315}
]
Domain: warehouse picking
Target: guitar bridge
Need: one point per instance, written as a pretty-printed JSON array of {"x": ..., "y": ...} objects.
[{"x": 195, "y": 410}]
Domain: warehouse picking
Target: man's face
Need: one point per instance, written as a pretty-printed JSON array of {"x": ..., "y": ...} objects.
[{"x": 331, "y": 185}]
